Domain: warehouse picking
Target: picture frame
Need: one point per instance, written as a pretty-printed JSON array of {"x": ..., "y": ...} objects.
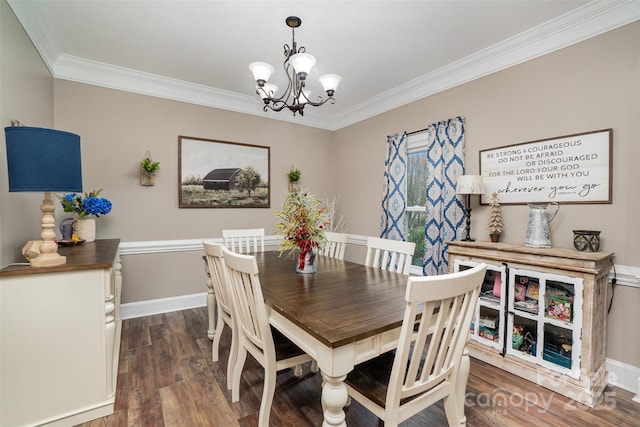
[
  {"x": 223, "y": 174},
  {"x": 533, "y": 290},
  {"x": 572, "y": 169},
  {"x": 520, "y": 292}
]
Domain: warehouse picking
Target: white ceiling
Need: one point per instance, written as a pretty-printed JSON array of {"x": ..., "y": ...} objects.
[{"x": 389, "y": 53}]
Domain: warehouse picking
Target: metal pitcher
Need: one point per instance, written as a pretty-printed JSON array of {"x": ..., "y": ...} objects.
[
  {"x": 538, "y": 235},
  {"x": 66, "y": 228}
]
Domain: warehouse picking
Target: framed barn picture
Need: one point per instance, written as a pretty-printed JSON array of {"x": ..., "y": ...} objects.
[{"x": 222, "y": 174}]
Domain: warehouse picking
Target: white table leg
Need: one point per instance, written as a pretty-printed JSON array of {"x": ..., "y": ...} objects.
[
  {"x": 334, "y": 399},
  {"x": 211, "y": 305}
]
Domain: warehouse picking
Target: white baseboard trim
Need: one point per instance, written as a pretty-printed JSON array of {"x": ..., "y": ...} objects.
[
  {"x": 625, "y": 376},
  {"x": 163, "y": 305}
]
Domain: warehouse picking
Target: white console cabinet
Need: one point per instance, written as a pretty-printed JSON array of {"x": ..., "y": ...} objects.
[
  {"x": 541, "y": 314},
  {"x": 60, "y": 338}
]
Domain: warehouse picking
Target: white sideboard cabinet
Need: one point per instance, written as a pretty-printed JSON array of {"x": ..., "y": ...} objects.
[
  {"x": 541, "y": 314},
  {"x": 60, "y": 338}
]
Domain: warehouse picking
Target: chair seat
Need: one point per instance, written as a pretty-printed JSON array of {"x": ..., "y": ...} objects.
[
  {"x": 285, "y": 348},
  {"x": 372, "y": 377}
]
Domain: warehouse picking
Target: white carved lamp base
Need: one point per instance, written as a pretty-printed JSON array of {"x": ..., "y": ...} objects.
[{"x": 49, "y": 255}]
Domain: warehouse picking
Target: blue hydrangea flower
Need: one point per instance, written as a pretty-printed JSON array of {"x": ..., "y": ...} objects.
[
  {"x": 89, "y": 205},
  {"x": 97, "y": 206}
]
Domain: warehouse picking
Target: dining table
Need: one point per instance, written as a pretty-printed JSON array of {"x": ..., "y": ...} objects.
[{"x": 344, "y": 314}]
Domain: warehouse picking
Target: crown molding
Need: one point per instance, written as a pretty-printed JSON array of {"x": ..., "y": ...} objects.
[
  {"x": 588, "y": 21},
  {"x": 81, "y": 70},
  {"x": 35, "y": 24}
]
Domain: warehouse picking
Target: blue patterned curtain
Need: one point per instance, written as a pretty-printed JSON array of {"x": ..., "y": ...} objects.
[
  {"x": 445, "y": 212},
  {"x": 394, "y": 194}
]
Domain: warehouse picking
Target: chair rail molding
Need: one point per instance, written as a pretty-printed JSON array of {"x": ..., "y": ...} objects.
[{"x": 625, "y": 275}]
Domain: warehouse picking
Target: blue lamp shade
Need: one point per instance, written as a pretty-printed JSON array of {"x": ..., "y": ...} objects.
[{"x": 41, "y": 159}]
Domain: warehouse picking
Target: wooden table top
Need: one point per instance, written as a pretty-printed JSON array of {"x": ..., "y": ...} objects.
[{"x": 342, "y": 303}]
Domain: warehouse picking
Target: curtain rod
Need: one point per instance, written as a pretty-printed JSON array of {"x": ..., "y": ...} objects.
[{"x": 417, "y": 131}]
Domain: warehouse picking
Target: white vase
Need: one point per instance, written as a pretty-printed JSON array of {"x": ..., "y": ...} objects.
[{"x": 85, "y": 228}]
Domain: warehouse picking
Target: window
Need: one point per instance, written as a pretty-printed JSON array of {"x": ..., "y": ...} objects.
[{"x": 416, "y": 194}]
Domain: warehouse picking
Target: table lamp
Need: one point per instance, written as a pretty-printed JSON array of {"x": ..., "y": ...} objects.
[
  {"x": 45, "y": 160},
  {"x": 466, "y": 186}
]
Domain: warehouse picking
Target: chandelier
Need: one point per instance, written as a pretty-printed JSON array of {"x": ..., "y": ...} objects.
[{"x": 297, "y": 65}]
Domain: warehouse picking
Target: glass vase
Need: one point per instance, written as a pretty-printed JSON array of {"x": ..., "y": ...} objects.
[{"x": 306, "y": 262}]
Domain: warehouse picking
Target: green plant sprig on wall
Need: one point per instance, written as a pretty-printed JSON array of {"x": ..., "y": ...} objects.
[
  {"x": 294, "y": 174},
  {"x": 149, "y": 165}
]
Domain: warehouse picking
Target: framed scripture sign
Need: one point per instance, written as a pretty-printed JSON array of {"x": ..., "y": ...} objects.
[
  {"x": 567, "y": 169},
  {"x": 221, "y": 174}
]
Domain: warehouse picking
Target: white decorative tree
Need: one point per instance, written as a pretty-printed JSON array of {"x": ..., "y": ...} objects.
[{"x": 496, "y": 225}]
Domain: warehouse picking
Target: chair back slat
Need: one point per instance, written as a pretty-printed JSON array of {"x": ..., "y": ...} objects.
[
  {"x": 427, "y": 358},
  {"x": 335, "y": 246},
  {"x": 392, "y": 255},
  {"x": 248, "y": 300},
  {"x": 244, "y": 240},
  {"x": 218, "y": 275}
]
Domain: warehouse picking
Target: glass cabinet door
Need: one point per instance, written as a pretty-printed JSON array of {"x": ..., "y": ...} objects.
[
  {"x": 488, "y": 322},
  {"x": 545, "y": 319}
]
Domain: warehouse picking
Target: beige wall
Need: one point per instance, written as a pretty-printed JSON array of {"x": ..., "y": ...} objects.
[
  {"x": 117, "y": 128},
  {"x": 590, "y": 86},
  {"x": 26, "y": 94}
]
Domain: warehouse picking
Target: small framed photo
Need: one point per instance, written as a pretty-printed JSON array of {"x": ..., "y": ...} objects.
[
  {"x": 520, "y": 292},
  {"x": 222, "y": 174},
  {"x": 533, "y": 290}
]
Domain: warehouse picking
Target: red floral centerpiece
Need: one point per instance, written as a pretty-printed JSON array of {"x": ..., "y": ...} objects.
[{"x": 302, "y": 222}]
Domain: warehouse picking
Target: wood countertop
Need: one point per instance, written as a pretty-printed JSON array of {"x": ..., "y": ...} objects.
[
  {"x": 563, "y": 258},
  {"x": 88, "y": 256}
]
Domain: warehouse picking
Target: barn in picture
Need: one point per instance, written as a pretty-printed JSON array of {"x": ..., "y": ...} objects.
[{"x": 222, "y": 179}]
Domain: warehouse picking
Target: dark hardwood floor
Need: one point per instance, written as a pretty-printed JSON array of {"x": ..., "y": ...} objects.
[{"x": 166, "y": 378}]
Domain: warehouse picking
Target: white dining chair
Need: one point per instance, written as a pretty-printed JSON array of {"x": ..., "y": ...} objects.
[
  {"x": 268, "y": 346},
  {"x": 217, "y": 275},
  {"x": 392, "y": 255},
  {"x": 335, "y": 246},
  {"x": 244, "y": 240},
  {"x": 425, "y": 366}
]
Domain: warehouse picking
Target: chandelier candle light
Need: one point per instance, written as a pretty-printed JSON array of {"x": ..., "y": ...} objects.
[
  {"x": 466, "y": 186},
  {"x": 297, "y": 66}
]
